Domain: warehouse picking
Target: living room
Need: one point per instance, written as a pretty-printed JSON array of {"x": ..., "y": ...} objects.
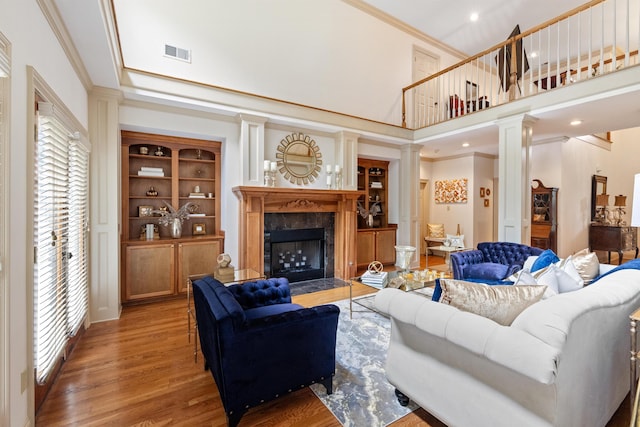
[{"x": 113, "y": 99}]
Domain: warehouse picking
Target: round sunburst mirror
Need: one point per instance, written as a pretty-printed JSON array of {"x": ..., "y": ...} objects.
[{"x": 299, "y": 159}]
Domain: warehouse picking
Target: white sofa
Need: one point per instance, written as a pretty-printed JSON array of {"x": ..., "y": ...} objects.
[{"x": 564, "y": 361}]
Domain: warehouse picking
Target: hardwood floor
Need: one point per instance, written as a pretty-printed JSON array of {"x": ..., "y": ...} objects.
[{"x": 140, "y": 371}]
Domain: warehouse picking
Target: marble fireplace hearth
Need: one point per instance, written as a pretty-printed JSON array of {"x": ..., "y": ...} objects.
[{"x": 255, "y": 202}]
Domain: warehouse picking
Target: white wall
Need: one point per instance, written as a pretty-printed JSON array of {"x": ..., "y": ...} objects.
[
  {"x": 452, "y": 214},
  {"x": 569, "y": 164},
  {"x": 482, "y": 215},
  {"x": 32, "y": 44},
  {"x": 263, "y": 48}
]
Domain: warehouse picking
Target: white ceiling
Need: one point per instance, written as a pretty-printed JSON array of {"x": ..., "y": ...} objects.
[
  {"x": 444, "y": 20},
  {"x": 448, "y": 20}
]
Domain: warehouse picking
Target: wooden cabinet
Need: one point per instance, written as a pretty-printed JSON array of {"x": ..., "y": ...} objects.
[
  {"x": 611, "y": 238},
  {"x": 376, "y": 245},
  {"x": 372, "y": 179},
  {"x": 149, "y": 271},
  {"x": 544, "y": 216},
  {"x": 197, "y": 257},
  {"x": 376, "y": 237},
  {"x": 158, "y": 170}
]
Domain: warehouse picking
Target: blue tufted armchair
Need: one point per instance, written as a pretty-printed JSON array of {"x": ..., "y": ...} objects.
[
  {"x": 258, "y": 345},
  {"x": 492, "y": 262}
]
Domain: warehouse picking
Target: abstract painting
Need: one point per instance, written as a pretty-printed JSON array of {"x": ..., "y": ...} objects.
[{"x": 451, "y": 191}]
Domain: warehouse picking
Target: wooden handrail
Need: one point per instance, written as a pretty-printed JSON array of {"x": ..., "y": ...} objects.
[
  {"x": 479, "y": 68},
  {"x": 506, "y": 42}
]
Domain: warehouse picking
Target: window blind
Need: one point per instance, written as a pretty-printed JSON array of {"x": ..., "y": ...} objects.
[{"x": 60, "y": 216}]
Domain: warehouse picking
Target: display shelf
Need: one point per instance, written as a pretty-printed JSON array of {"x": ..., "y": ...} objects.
[{"x": 176, "y": 167}]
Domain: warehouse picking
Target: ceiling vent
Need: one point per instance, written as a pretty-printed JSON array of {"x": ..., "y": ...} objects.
[{"x": 177, "y": 53}]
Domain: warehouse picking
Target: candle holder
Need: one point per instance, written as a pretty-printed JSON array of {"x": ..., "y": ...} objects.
[
  {"x": 338, "y": 178},
  {"x": 270, "y": 169},
  {"x": 329, "y": 174}
]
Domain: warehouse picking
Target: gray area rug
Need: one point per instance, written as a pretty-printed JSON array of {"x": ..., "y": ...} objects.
[{"x": 362, "y": 396}]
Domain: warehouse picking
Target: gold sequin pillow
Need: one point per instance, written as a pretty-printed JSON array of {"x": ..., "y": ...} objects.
[
  {"x": 435, "y": 230},
  {"x": 502, "y": 304},
  {"x": 587, "y": 264}
]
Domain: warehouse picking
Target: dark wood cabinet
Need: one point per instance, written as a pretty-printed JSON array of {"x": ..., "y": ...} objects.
[
  {"x": 376, "y": 237},
  {"x": 544, "y": 216},
  {"x": 611, "y": 238}
]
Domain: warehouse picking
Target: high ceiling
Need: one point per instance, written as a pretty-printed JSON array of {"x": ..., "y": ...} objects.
[
  {"x": 449, "y": 21},
  {"x": 444, "y": 20}
]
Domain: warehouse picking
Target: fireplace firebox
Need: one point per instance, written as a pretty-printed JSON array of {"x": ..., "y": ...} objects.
[{"x": 296, "y": 254}]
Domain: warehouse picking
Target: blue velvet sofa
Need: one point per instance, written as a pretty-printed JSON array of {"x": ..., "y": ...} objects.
[
  {"x": 258, "y": 345},
  {"x": 492, "y": 262}
]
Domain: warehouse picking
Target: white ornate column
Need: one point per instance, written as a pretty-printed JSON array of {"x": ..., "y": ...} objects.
[
  {"x": 346, "y": 154},
  {"x": 514, "y": 210},
  {"x": 104, "y": 133},
  {"x": 252, "y": 149},
  {"x": 409, "y": 209}
]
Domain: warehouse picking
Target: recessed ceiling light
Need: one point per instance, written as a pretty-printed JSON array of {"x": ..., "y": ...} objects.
[
  {"x": 575, "y": 122},
  {"x": 474, "y": 16},
  {"x": 534, "y": 54},
  {"x": 465, "y": 144}
]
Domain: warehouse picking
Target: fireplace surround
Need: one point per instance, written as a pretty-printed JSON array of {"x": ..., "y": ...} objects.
[{"x": 255, "y": 202}]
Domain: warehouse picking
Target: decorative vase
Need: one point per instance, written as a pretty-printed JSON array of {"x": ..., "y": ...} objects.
[
  {"x": 176, "y": 228},
  {"x": 403, "y": 256}
]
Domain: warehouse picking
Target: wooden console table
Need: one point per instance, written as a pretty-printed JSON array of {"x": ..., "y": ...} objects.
[{"x": 612, "y": 238}]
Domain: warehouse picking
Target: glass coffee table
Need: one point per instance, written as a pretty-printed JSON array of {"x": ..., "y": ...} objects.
[{"x": 422, "y": 282}]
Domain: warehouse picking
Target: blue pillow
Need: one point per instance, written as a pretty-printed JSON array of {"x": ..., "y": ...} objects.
[
  {"x": 437, "y": 291},
  {"x": 545, "y": 259},
  {"x": 486, "y": 271}
]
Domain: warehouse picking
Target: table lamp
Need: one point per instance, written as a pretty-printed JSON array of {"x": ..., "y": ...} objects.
[
  {"x": 602, "y": 201},
  {"x": 620, "y": 203}
]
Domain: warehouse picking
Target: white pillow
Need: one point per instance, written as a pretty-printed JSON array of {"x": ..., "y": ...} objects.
[
  {"x": 529, "y": 262},
  {"x": 545, "y": 277},
  {"x": 568, "y": 277},
  {"x": 457, "y": 241}
]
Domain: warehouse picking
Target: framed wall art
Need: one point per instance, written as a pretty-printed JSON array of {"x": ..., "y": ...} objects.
[{"x": 451, "y": 191}]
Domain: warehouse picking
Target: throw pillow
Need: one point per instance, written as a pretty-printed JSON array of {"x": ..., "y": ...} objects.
[
  {"x": 435, "y": 230},
  {"x": 529, "y": 262},
  {"x": 568, "y": 277},
  {"x": 545, "y": 277},
  {"x": 486, "y": 271},
  {"x": 501, "y": 304},
  {"x": 545, "y": 259},
  {"x": 457, "y": 241},
  {"x": 586, "y": 263}
]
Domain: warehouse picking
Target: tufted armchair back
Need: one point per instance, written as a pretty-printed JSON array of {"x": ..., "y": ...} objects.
[
  {"x": 507, "y": 253},
  {"x": 513, "y": 255},
  {"x": 261, "y": 293}
]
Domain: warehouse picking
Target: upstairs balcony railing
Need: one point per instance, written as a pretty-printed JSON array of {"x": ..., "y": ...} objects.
[{"x": 597, "y": 38}]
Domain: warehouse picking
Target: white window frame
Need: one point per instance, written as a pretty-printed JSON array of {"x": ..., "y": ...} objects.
[{"x": 68, "y": 137}]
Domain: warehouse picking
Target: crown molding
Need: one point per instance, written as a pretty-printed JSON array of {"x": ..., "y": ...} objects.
[{"x": 52, "y": 15}]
